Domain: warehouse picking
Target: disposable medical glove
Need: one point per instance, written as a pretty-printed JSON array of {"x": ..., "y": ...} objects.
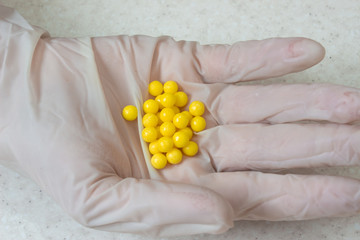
[{"x": 61, "y": 124}]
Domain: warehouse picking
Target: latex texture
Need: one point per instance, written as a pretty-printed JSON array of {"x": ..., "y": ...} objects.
[{"x": 61, "y": 125}]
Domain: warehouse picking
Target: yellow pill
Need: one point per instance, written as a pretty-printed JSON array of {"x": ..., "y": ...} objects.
[
  {"x": 159, "y": 161},
  {"x": 181, "y": 99},
  {"x": 151, "y": 106},
  {"x": 180, "y": 120},
  {"x": 129, "y": 113},
  {"x": 165, "y": 144},
  {"x": 170, "y": 87},
  {"x": 191, "y": 149},
  {"x": 168, "y": 100},
  {"x": 158, "y": 99},
  {"x": 167, "y": 115},
  {"x": 198, "y": 124},
  {"x": 188, "y": 114},
  {"x": 188, "y": 131},
  {"x": 181, "y": 139},
  {"x": 150, "y": 120},
  {"x": 167, "y": 129},
  {"x": 149, "y": 134},
  {"x": 159, "y": 119},
  {"x": 158, "y": 132},
  {"x": 197, "y": 108},
  {"x": 176, "y": 109},
  {"x": 174, "y": 156},
  {"x": 155, "y": 88},
  {"x": 153, "y": 147}
]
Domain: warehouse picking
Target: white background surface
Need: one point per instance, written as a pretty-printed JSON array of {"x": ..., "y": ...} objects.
[{"x": 28, "y": 213}]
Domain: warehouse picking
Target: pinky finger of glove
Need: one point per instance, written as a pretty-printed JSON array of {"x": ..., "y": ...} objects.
[
  {"x": 153, "y": 207},
  {"x": 275, "y": 197}
]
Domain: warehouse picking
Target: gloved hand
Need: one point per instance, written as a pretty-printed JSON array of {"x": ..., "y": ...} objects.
[{"x": 61, "y": 124}]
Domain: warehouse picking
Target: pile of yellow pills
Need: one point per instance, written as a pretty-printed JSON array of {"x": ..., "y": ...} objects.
[{"x": 168, "y": 128}]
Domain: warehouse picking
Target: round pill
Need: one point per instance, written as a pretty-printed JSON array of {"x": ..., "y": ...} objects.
[
  {"x": 167, "y": 129},
  {"x": 158, "y": 99},
  {"x": 181, "y": 139},
  {"x": 150, "y": 120},
  {"x": 170, "y": 87},
  {"x": 188, "y": 131},
  {"x": 188, "y": 114},
  {"x": 151, "y": 106},
  {"x": 174, "y": 156},
  {"x": 155, "y": 88},
  {"x": 176, "y": 109},
  {"x": 129, "y": 113},
  {"x": 198, "y": 124},
  {"x": 159, "y": 119},
  {"x": 167, "y": 115},
  {"x": 165, "y": 144},
  {"x": 181, "y": 99},
  {"x": 168, "y": 99},
  {"x": 180, "y": 120},
  {"x": 158, "y": 161},
  {"x": 191, "y": 149},
  {"x": 153, "y": 147},
  {"x": 158, "y": 132},
  {"x": 149, "y": 134},
  {"x": 197, "y": 108}
]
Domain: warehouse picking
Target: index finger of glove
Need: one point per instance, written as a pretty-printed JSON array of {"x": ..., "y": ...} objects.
[
  {"x": 279, "y": 103},
  {"x": 254, "y": 60}
]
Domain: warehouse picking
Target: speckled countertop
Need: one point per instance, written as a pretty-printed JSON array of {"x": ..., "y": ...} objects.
[{"x": 28, "y": 213}]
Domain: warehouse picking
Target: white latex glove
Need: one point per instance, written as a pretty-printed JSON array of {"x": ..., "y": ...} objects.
[{"x": 61, "y": 124}]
